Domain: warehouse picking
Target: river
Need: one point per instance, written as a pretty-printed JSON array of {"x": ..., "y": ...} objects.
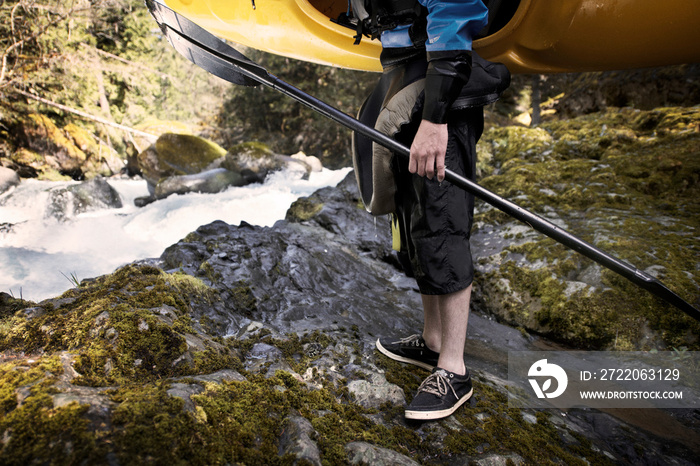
[{"x": 42, "y": 256}]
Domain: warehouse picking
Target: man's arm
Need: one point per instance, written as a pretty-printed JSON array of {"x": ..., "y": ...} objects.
[{"x": 451, "y": 25}]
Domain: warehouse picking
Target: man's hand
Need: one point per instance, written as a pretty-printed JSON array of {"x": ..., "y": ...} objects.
[{"x": 428, "y": 150}]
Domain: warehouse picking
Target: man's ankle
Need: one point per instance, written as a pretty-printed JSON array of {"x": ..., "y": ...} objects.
[{"x": 456, "y": 367}]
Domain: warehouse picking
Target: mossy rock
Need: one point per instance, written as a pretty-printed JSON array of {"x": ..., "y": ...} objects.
[
  {"x": 102, "y": 160},
  {"x": 178, "y": 154},
  {"x": 303, "y": 209},
  {"x": 624, "y": 180},
  {"x": 187, "y": 153},
  {"x": 251, "y": 149},
  {"x": 131, "y": 326},
  {"x": 40, "y": 135},
  {"x": 82, "y": 138},
  {"x": 253, "y": 160}
]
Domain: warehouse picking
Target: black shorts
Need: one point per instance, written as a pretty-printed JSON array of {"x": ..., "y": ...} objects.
[{"x": 435, "y": 219}]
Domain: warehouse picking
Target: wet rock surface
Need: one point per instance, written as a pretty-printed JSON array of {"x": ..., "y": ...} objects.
[{"x": 86, "y": 196}]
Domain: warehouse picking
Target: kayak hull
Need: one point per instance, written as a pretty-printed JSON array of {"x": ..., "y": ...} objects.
[{"x": 536, "y": 36}]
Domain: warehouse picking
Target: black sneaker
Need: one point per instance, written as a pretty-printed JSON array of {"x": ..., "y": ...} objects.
[
  {"x": 412, "y": 350},
  {"x": 440, "y": 395}
]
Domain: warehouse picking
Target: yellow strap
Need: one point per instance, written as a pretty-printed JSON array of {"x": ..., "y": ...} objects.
[{"x": 395, "y": 233}]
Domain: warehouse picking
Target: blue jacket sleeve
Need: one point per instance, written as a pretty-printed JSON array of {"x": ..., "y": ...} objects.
[{"x": 451, "y": 24}]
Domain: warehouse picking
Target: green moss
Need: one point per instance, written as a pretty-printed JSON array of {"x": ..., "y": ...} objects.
[
  {"x": 629, "y": 183},
  {"x": 27, "y": 157},
  {"x": 50, "y": 174},
  {"x": 212, "y": 360},
  {"x": 34, "y": 431},
  {"x": 242, "y": 299},
  {"x": 239, "y": 422},
  {"x": 53, "y": 138},
  {"x": 187, "y": 154},
  {"x": 252, "y": 149},
  {"x": 125, "y": 327},
  {"x": 82, "y": 139},
  {"x": 491, "y": 427},
  {"x": 187, "y": 285},
  {"x": 303, "y": 209},
  {"x": 9, "y": 305}
]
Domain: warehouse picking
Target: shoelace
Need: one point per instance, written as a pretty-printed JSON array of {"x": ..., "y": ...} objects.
[
  {"x": 436, "y": 384},
  {"x": 411, "y": 340}
]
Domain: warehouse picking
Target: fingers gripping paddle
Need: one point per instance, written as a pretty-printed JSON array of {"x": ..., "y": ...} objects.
[{"x": 215, "y": 56}]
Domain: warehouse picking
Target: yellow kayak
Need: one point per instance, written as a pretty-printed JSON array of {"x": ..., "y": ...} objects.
[{"x": 529, "y": 36}]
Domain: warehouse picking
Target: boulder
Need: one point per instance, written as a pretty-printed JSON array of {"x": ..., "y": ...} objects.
[
  {"x": 176, "y": 155},
  {"x": 297, "y": 440},
  {"x": 8, "y": 179},
  {"x": 87, "y": 196},
  {"x": 208, "y": 181},
  {"x": 103, "y": 160},
  {"x": 253, "y": 160},
  {"x": 311, "y": 161}
]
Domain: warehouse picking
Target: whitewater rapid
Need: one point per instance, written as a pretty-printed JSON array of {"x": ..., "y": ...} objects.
[{"x": 41, "y": 257}]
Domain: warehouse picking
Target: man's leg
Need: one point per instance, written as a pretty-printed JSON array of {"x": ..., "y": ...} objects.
[{"x": 445, "y": 327}]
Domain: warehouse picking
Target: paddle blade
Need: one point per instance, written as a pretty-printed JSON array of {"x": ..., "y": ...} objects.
[{"x": 189, "y": 40}]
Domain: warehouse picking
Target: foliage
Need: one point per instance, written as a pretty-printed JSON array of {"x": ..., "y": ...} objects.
[
  {"x": 287, "y": 126},
  {"x": 106, "y": 58}
]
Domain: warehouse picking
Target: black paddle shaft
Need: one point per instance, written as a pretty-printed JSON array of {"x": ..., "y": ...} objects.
[{"x": 215, "y": 56}]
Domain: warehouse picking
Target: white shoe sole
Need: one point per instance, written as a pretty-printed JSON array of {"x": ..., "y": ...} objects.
[
  {"x": 396, "y": 357},
  {"x": 428, "y": 415}
]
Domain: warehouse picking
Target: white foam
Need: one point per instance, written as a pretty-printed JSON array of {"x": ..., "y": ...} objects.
[{"x": 39, "y": 256}]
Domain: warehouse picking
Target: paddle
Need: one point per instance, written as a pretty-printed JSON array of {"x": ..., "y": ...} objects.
[{"x": 215, "y": 56}]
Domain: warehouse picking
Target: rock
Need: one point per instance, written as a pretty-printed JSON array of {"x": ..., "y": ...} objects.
[
  {"x": 297, "y": 440},
  {"x": 499, "y": 460},
  {"x": 103, "y": 160},
  {"x": 184, "y": 391},
  {"x": 175, "y": 155},
  {"x": 23, "y": 171},
  {"x": 220, "y": 376},
  {"x": 8, "y": 179},
  {"x": 311, "y": 161},
  {"x": 208, "y": 181},
  {"x": 376, "y": 391},
  {"x": 367, "y": 454},
  {"x": 254, "y": 161},
  {"x": 88, "y": 196},
  {"x": 339, "y": 210},
  {"x": 273, "y": 285},
  {"x": 260, "y": 355},
  {"x": 156, "y": 127},
  {"x": 644, "y": 89}
]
